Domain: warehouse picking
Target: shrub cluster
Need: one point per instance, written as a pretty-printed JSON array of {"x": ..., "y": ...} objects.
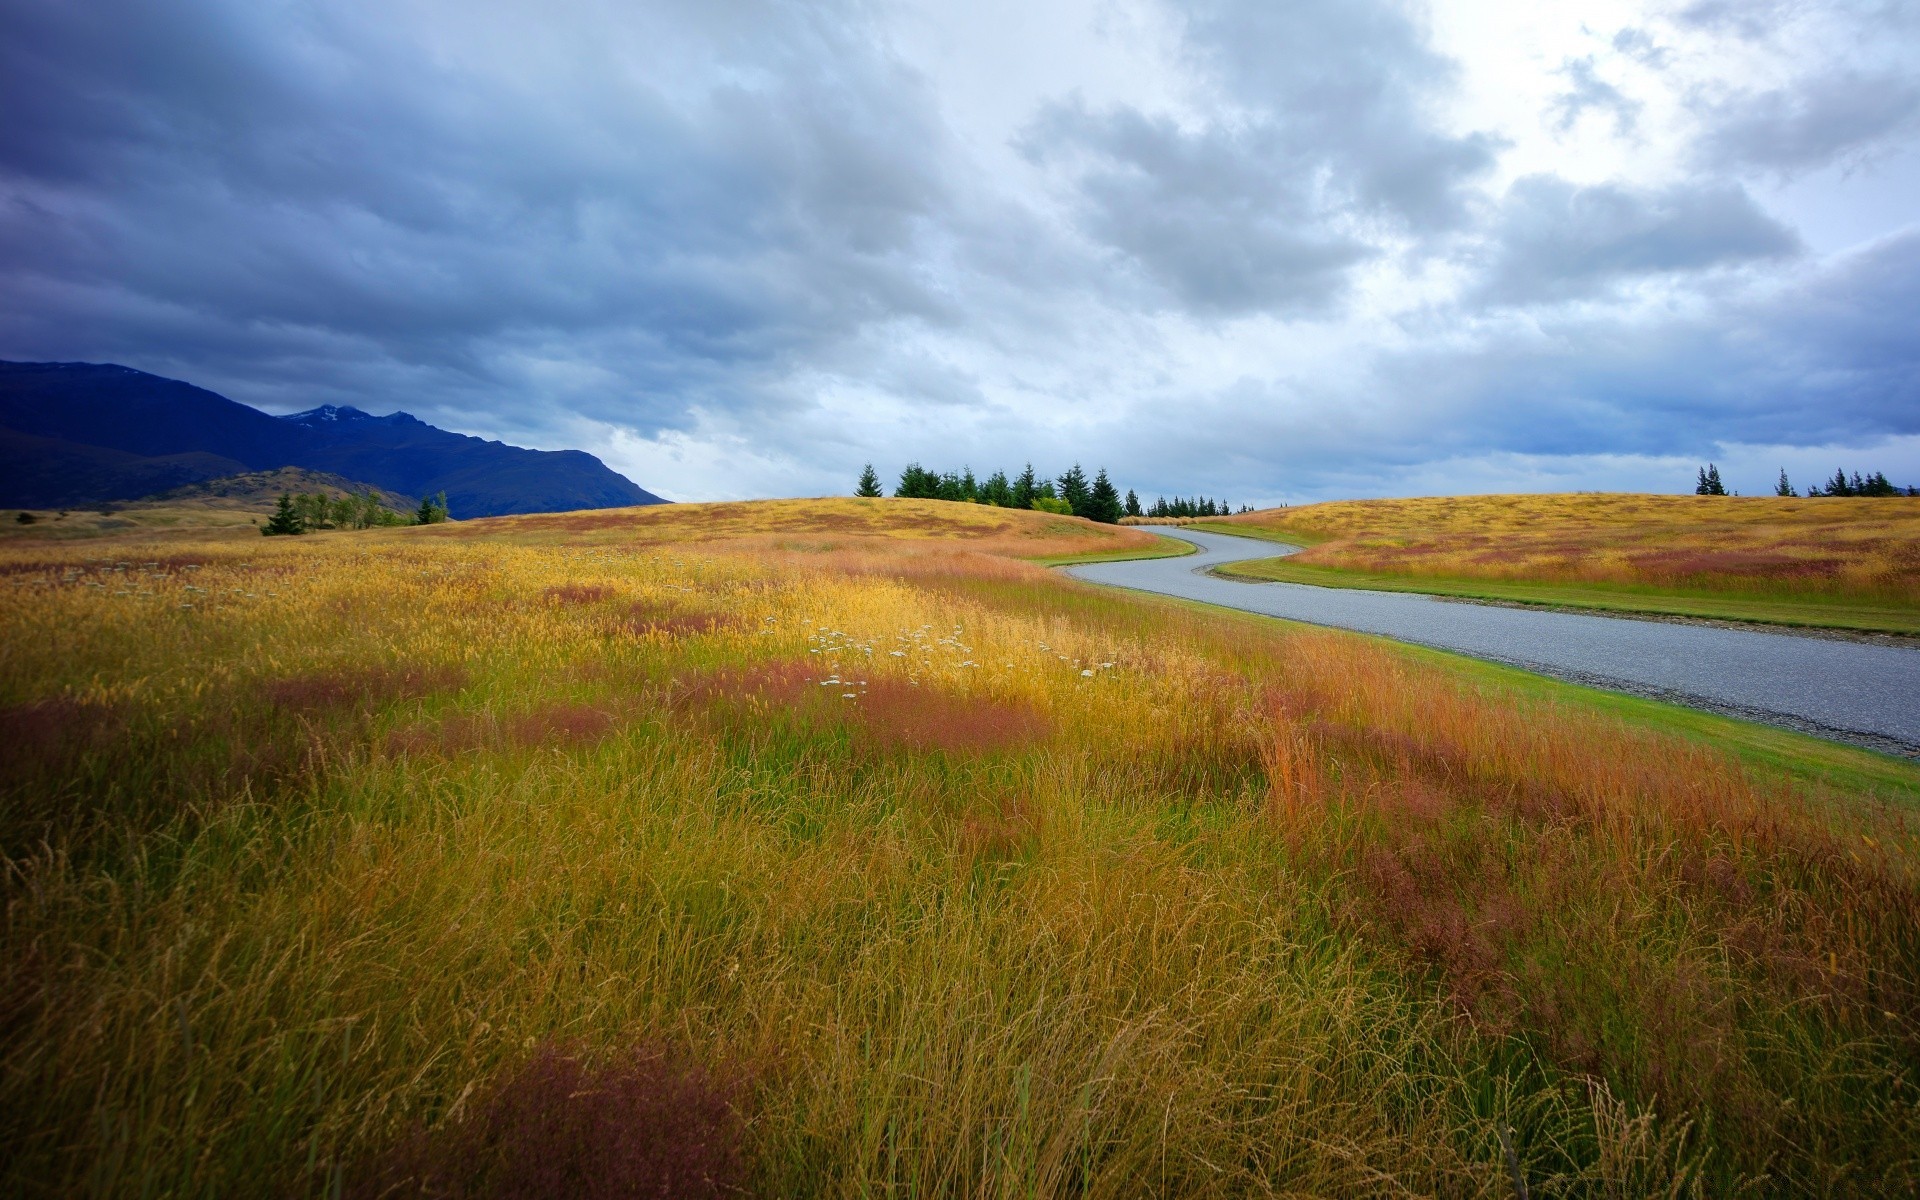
[{"x": 299, "y": 513}]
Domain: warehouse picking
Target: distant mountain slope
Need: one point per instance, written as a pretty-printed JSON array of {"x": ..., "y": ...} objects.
[
  {"x": 73, "y": 433},
  {"x": 262, "y": 488}
]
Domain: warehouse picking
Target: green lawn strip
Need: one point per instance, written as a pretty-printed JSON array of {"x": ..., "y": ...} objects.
[
  {"x": 1802, "y": 756},
  {"x": 1769, "y": 748},
  {"x": 1168, "y": 548},
  {"x": 1806, "y": 614}
]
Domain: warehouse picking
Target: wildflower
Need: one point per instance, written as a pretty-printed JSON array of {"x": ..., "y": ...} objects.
[{"x": 1086, "y": 673}]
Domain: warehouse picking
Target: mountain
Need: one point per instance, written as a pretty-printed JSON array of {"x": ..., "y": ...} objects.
[{"x": 79, "y": 433}]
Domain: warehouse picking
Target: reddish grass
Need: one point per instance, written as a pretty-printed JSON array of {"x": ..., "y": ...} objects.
[
  {"x": 781, "y": 681},
  {"x": 1003, "y": 831},
  {"x": 568, "y": 594},
  {"x": 551, "y": 725},
  {"x": 1493, "y": 844},
  {"x": 887, "y": 716},
  {"x": 359, "y": 687},
  {"x": 650, "y": 1123},
  {"x": 895, "y": 716},
  {"x": 49, "y": 737}
]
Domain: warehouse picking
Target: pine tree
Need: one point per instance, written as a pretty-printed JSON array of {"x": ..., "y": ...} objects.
[
  {"x": 918, "y": 483},
  {"x": 432, "y": 510},
  {"x": 1103, "y": 501},
  {"x": 1025, "y": 489},
  {"x": 285, "y": 520},
  {"x": 1783, "y": 488},
  {"x": 1074, "y": 490},
  {"x": 1710, "y": 484},
  {"x": 1133, "y": 504},
  {"x": 1838, "y": 485},
  {"x": 869, "y": 485},
  {"x": 997, "y": 491}
]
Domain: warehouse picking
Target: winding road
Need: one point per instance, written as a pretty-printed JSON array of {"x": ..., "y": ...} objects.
[{"x": 1856, "y": 692}]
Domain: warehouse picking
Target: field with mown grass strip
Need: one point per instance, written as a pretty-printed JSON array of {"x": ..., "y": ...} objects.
[
  {"x": 828, "y": 848},
  {"x": 1825, "y": 562}
]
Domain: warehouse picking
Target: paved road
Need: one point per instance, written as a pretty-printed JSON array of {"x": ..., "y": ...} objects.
[{"x": 1852, "y": 691}]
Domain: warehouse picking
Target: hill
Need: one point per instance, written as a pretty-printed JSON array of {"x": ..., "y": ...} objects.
[
  {"x": 1843, "y": 563},
  {"x": 232, "y": 505},
  {"x": 80, "y": 433},
  {"x": 261, "y": 489}
]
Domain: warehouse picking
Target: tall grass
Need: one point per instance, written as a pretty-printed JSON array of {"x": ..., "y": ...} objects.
[
  {"x": 1810, "y": 549},
  {"x": 887, "y": 867}
]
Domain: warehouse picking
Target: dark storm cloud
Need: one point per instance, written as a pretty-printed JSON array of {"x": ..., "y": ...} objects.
[
  {"x": 1225, "y": 220},
  {"x": 327, "y": 185},
  {"x": 1830, "y": 358},
  {"x": 1354, "y": 87},
  {"x": 1555, "y": 241},
  {"x": 1327, "y": 139},
  {"x": 1811, "y": 124}
]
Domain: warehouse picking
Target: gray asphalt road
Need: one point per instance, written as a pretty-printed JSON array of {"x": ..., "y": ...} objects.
[{"x": 1852, "y": 691}]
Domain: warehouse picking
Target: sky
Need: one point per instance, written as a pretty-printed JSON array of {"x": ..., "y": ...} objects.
[{"x": 1264, "y": 251}]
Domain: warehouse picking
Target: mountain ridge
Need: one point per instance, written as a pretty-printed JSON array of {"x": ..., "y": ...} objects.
[{"x": 78, "y": 433}]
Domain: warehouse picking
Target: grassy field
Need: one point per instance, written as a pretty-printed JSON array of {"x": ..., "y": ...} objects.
[
  {"x": 836, "y": 848},
  {"x": 232, "y": 506},
  {"x": 1835, "y": 563}
]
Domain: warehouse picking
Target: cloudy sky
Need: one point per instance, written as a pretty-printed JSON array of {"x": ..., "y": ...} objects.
[{"x": 1260, "y": 249}]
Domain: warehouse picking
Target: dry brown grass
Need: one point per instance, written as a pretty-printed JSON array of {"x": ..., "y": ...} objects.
[{"x": 1841, "y": 548}]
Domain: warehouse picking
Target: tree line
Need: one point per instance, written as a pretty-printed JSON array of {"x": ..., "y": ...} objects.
[
  {"x": 1073, "y": 494},
  {"x": 1873, "y": 484},
  {"x": 302, "y": 512}
]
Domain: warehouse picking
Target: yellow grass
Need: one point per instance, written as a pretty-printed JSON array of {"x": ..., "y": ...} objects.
[
  {"x": 985, "y": 882},
  {"x": 1818, "y": 561}
]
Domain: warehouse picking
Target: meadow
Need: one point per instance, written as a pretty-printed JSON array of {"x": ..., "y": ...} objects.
[
  {"x": 837, "y": 848},
  {"x": 1831, "y": 562}
]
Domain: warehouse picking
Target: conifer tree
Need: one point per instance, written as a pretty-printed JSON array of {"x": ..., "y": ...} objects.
[
  {"x": 1075, "y": 491},
  {"x": 285, "y": 519},
  {"x": 997, "y": 490},
  {"x": 1709, "y": 484},
  {"x": 1025, "y": 488},
  {"x": 1133, "y": 503},
  {"x": 918, "y": 483},
  {"x": 869, "y": 486},
  {"x": 1103, "y": 501},
  {"x": 432, "y": 510},
  {"x": 1783, "y": 488}
]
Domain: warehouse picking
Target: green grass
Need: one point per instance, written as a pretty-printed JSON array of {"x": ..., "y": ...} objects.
[{"x": 1718, "y": 606}]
